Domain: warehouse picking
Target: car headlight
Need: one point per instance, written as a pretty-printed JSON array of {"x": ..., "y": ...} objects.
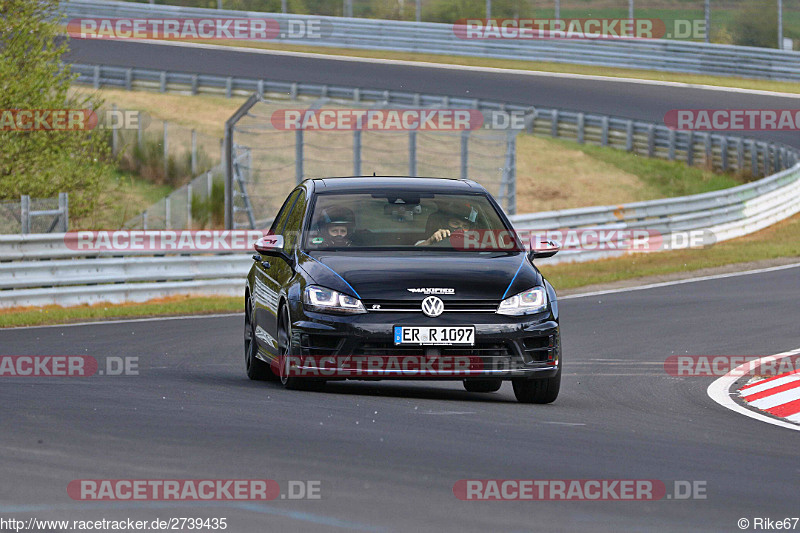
[
  {"x": 330, "y": 301},
  {"x": 531, "y": 301}
]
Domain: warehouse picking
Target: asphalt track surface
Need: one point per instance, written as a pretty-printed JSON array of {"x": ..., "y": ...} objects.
[
  {"x": 630, "y": 100},
  {"x": 387, "y": 454}
]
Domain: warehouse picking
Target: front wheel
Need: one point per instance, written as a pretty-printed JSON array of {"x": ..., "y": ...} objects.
[
  {"x": 256, "y": 368},
  {"x": 537, "y": 390},
  {"x": 287, "y": 347}
]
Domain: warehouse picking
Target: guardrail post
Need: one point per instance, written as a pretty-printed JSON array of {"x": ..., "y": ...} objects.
[
  {"x": 445, "y": 101},
  {"x": 96, "y": 81},
  {"x": 63, "y": 206},
  {"x": 753, "y": 159},
  {"x": 739, "y": 154},
  {"x": 417, "y": 99},
  {"x": 25, "y": 213},
  {"x": 260, "y": 88},
  {"x": 723, "y": 153},
  {"x": 709, "y": 158},
  {"x": 465, "y": 154},
  {"x": 293, "y": 91},
  {"x": 194, "y": 152},
  {"x": 777, "y": 157},
  {"x": 651, "y": 140},
  {"x": 194, "y": 84},
  {"x": 323, "y": 93},
  {"x": 671, "y": 154},
  {"x": 356, "y": 95},
  {"x": 129, "y": 79},
  {"x": 690, "y": 149},
  {"x": 228, "y": 87},
  {"x": 767, "y": 162},
  {"x": 629, "y": 136},
  {"x": 356, "y": 152},
  {"x": 554, "y": 123},
  {"x": 412, "y": 152},
  {"x": 163, "y": 81},
  {"x": 298, "y": 155},
  {"x": 166, "y": 149},
  {"x": 581, "y": 127},
  {"x": 604, "y": 131}
]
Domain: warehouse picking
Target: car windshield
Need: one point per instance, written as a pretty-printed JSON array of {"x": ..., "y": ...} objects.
[{"x": 407, "y": 220}]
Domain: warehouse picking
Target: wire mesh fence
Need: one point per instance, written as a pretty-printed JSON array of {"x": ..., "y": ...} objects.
[
  {"x": 269, "y": 158},
  {"x": 35, "y": 215}
]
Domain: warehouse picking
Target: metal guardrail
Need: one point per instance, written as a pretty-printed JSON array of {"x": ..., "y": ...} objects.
[{"x": 436, "y": 38}]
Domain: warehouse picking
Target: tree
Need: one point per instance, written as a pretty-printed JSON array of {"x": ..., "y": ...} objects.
[
  {"x": 757, "y": 24},
  {"x": 32, "y": 77}
]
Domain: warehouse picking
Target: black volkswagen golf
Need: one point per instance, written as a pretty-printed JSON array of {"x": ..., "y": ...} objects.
[{"x": 400, "y": 278}]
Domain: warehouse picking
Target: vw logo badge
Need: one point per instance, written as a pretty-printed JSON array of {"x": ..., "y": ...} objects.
[{"x": 432, "y": 306}]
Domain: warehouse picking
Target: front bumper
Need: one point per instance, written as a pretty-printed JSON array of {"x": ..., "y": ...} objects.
[{"x": 362, "y": 346}]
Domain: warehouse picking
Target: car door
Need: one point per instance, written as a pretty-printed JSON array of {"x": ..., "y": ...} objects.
[{"x": 269, "y": 277}]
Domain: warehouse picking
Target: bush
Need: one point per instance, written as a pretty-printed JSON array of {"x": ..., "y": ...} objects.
[
  {"x": 209, "y": 212},
  {"x": 757, "y": 25}
]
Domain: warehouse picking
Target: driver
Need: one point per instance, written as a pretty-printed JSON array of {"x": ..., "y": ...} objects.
[
  {"x": 448, "y": 220},
  {"x": 335, "y": 227}
]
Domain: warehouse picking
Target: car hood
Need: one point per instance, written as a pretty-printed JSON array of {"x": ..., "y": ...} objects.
[{"x": 388, "y": 276}]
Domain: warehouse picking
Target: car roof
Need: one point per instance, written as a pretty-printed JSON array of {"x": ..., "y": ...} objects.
[{"x": 376, "y": 183}]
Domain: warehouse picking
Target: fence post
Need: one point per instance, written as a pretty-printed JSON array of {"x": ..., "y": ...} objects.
[
  {"x": 298, "y": 155},
  {"x": 167, "y": 213},
  {"x": 739, "y": 154},
  {"x": 63, "y": 206},
  {"x": 723, "y": 153},
  {"x": 139, "y": 133},
  {"x": 690, "y": 149},
  {"x": 114, "y": 134},
  {"x": 465, "y": 154},
  {"x": 412, "y": 152},
  {"x": 651, "y": 140},
  {"x": 753, "y": 159},
  {"x": 581, "y": 127},
  {"x": 144, "y": 221},
  {"x": 554, "y": 123},
  {"x": 194, "y": 153},
  {"x": 210, "y": 185},
  {"x": 166, "y": 149},
  {"x": 25, "y": 213},
  {"x": 629, "y": 136},
  {"x": 511, "y": 184},
  {"x": 356, "y": 152}
]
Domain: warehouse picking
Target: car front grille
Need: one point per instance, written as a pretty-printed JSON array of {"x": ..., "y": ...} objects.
[{"x": 412, "y": 306}]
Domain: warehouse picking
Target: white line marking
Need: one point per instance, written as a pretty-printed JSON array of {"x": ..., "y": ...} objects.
[
  {"x": 448, "y": 66},
  {"x": 719, "y": 391},
  {"x": 680, "y": 281}
]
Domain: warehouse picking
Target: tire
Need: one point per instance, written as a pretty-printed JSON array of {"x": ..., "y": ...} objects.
[
  {"x": 286, "y": 346},
  {"x": 482, "y": 385},
  {"x": 256, "y": 369},
  {"x": 540, "y": 390}
]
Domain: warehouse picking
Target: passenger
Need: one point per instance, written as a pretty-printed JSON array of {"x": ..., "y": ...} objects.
[{"x": 448, "y": 220}]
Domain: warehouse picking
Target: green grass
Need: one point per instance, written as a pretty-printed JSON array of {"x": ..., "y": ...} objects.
[{"x": 176, "y": 306}]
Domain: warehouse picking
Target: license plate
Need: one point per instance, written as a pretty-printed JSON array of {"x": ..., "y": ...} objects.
[{"x": 435, "y": 335}]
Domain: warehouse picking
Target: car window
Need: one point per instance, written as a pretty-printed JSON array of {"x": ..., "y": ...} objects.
[
  {"x": 405, "y": 219},
  {"x": 283, "y": 214},
  {"x": 294, "y": 222}
]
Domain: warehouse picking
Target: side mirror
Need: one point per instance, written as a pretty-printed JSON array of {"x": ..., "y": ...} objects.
[
  {"x": 543, "y": 249},
  {"x": 272, "y": 245}
]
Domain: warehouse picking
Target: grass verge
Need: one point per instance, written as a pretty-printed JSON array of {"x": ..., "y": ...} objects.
[{"x": 174, "y": 306}]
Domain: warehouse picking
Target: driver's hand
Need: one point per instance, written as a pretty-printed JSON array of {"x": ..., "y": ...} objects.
[{"x": 438, "y": 236}]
